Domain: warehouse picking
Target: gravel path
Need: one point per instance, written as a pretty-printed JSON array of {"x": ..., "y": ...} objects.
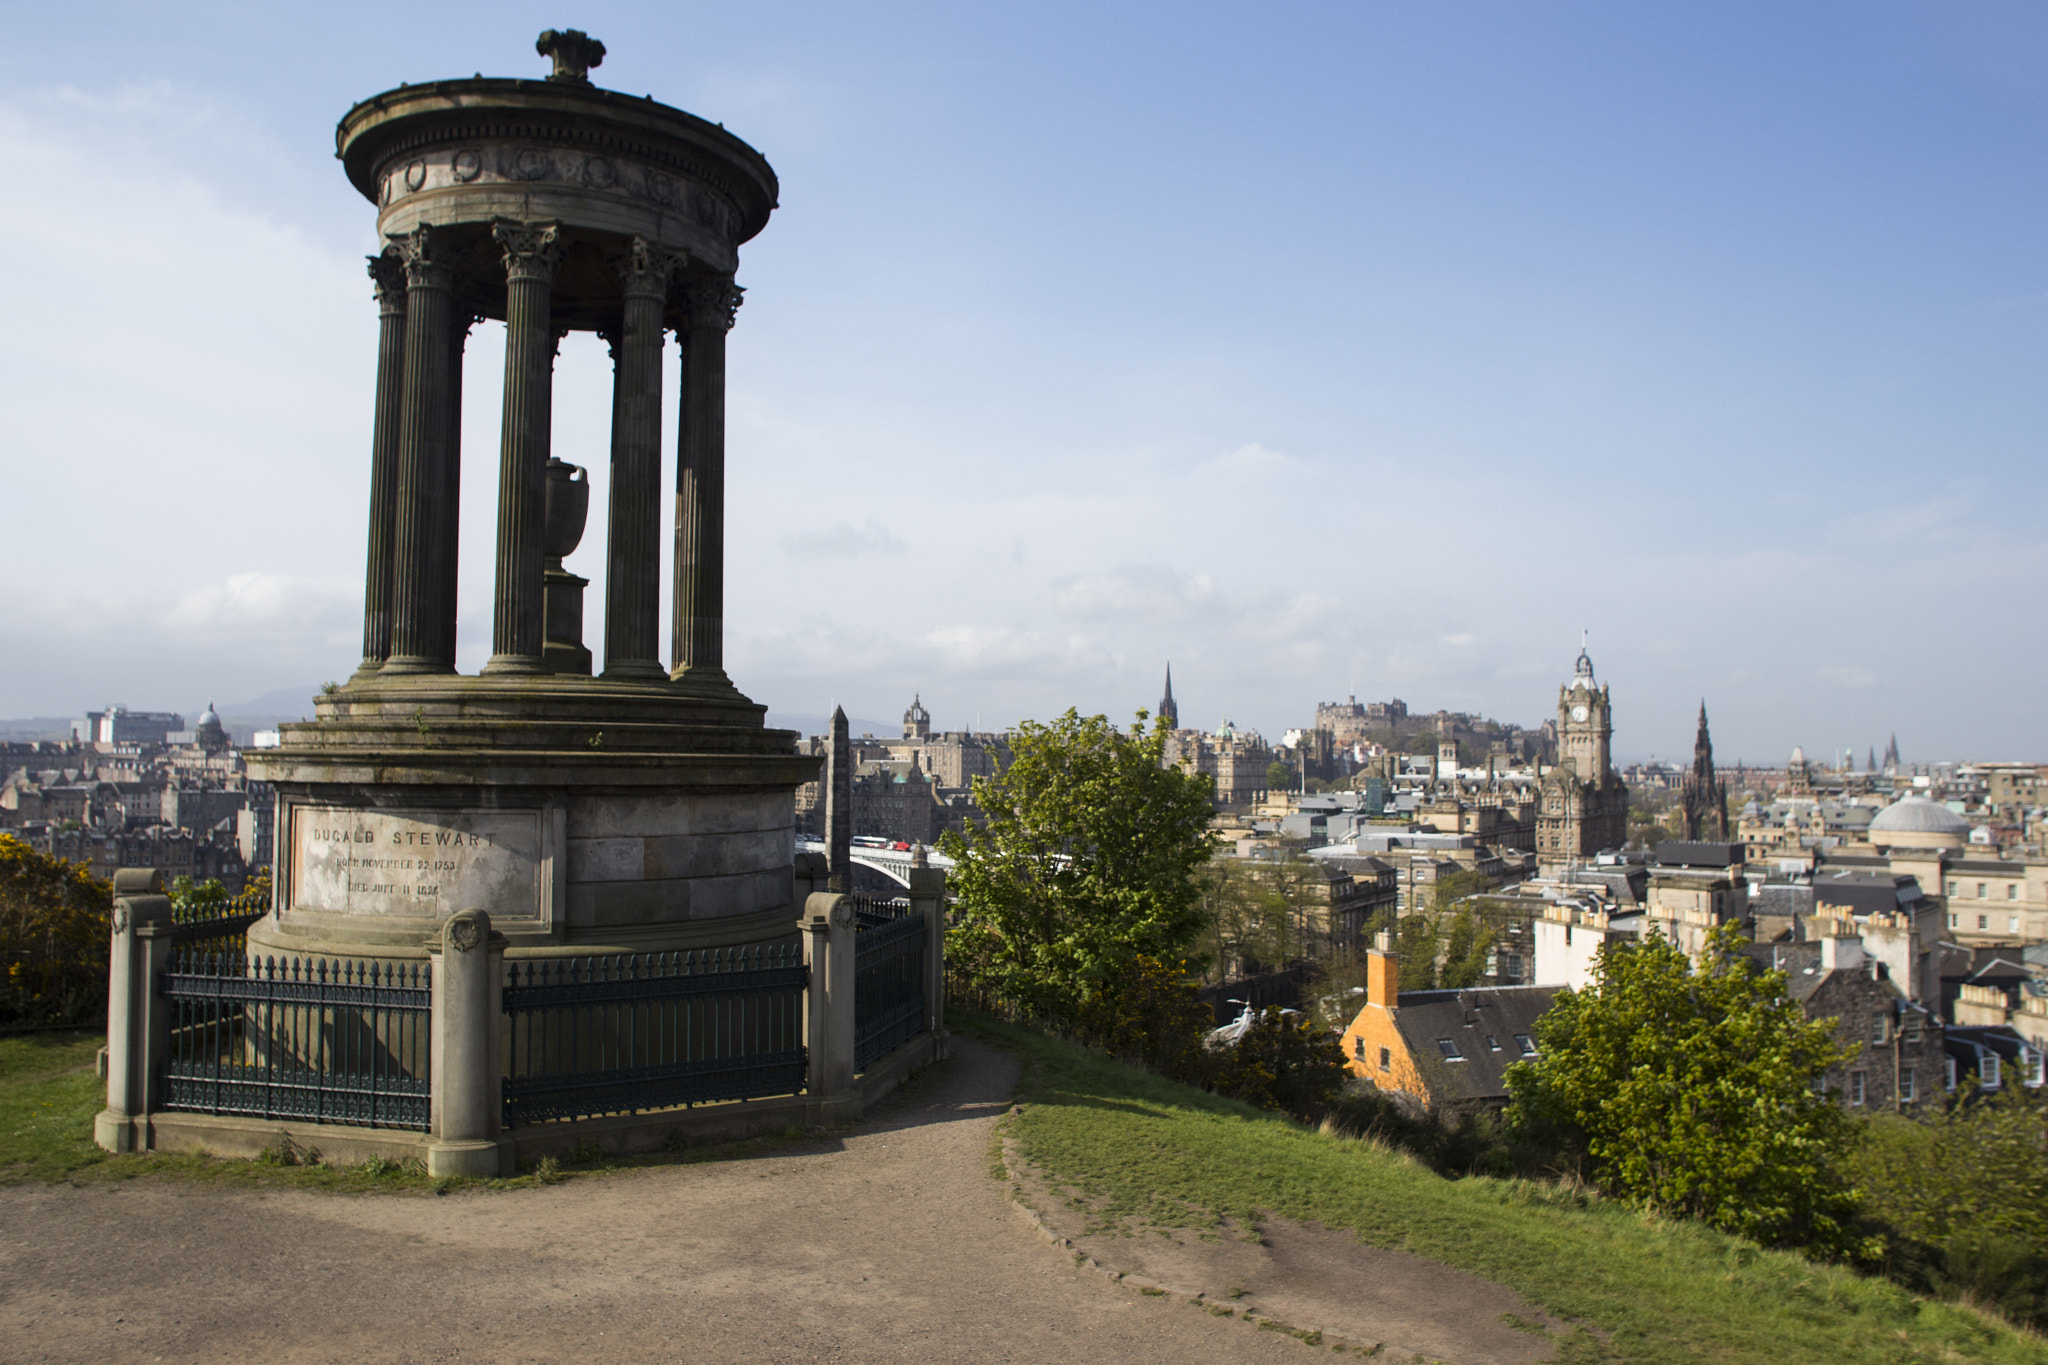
[{"x": 893, "y": 1244}]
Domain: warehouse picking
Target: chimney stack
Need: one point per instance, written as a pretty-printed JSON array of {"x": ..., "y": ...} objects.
[
  {"x": 1382, "y": 972},
  {"x": 1842, "y": 949}
]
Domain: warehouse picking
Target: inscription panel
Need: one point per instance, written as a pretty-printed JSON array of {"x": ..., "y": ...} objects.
[{"x": 419, "y": 864}]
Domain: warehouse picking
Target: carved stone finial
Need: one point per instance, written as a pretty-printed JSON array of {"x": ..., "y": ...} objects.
[{"x": 574, "y": 51}]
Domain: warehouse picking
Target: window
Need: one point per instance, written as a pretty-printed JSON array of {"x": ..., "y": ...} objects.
[
  {"x": 1527, "y": 1047},
  {"x": 1856, "y": 1080},
  {"x": 2012, "y": 891},
  {"x": 1948, "y": 1073},
  {"x": 1983, "y": 921},
  {"x": 1449, "y": 1047},
  {"x": 1386, "y": 1060},
  {"x": 1952, "y": 888},
  {"x": 2012, "y": 924},
  {"x": 1980, "y": 891},
  {"x": 1358, "y": 1048},
  {"x": 2032, "y": 1060},
  {"x": 1877, "y": 1030},
  {"x": 1906, "y": 1095},
  {"x": 1952, "y": 920},
  {"x": 1990, "y": 1071}
]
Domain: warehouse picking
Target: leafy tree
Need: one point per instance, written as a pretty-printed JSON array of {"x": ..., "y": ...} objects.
[
  {"x": 1088, "y": 861},
  {"x": 1694, "y": 1089},
  {"x": 1964, "y": 1191},
  {"x": 53, "y": 937},
  {"x": 1279, "y": 777}
]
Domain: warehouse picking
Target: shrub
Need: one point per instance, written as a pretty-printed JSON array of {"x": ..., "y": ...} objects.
[
  {"x": 1963, "y": 1193},
  {"x": 1282, "y": 1062},
  {"x": 53, "y": 938},
  {"x": 1152, "y": 1016}
]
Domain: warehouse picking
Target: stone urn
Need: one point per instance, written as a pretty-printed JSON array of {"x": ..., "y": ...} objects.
[{"x": 568, "y": 508}]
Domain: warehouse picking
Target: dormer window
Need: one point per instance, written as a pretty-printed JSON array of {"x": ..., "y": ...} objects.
[
  {"x": 1449, "y": 1047},
  {"x": 1526, "y": 1044},
  {"x": 1492, "y": 1043}
]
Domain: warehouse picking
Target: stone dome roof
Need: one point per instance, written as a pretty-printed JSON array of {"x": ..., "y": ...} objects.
[
  {"x": 208, "y": 717},
  {"x": 1918, "y": 815}
]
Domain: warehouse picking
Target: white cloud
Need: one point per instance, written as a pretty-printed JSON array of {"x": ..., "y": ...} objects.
[{"x": 843, "y": 540}]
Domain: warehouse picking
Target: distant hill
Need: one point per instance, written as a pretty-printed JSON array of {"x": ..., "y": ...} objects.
[{"x": 27, "y": 729}]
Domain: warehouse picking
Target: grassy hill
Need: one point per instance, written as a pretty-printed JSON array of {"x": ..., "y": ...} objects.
[{"x": 1645, "y": 1288}]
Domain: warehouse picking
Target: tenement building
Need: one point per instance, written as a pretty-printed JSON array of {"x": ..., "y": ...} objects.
[{"x": 1583, "y": 809}]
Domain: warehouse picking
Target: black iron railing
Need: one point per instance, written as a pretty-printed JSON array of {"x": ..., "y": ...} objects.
[
  {"x": 888, "y": 979},
  {"x": 297, "y": 1038},
  {"x": 619, "y": 1034},
  {"x": 219, "y": 928}
]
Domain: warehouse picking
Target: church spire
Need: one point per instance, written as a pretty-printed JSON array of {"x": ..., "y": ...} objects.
[
  {"x": 1169, "y": 714},
  {"x": 1704, "y": 796}
]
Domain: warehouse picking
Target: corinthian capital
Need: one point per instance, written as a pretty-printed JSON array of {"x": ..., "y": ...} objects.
[
  {"x": 387, "y": 281},
  {"x": 644, "y": 269},
  {"x": 420, "y": 252},
  {"x": 713, "y": 302},
  {"x": 532, "y": 250}
]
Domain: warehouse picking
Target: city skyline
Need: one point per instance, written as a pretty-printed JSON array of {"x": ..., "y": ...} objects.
[{"x": 1340, "y": 351}]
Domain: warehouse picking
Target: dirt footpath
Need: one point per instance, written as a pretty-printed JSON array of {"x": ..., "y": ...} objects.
[{"x": 894, "y": 1244}]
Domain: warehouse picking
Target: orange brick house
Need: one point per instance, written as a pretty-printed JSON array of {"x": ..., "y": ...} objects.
[{"x": 1441, "y": 1049}]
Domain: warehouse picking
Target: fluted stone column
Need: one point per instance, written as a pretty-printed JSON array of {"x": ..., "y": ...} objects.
[
  {"x": 700, "y": 486},
  {"x": 531, "y": 254},
  {"x": 388, "y": 282},
  {"x": 632, "y": 590},
  {"x": 424, "y": 460},
  {"x": 460, "y": 321}
]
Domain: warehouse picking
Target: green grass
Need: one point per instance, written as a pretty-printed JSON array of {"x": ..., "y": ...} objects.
[
  {"x": 1649, "y": 1289},
  {"x": 49, "y": 1093}
]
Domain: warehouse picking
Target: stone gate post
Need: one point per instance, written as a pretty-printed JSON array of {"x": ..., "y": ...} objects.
[
  {"x": 828, "y": 1004},
  {"x": 138, "y": 1022},
  {"x": 469, "y": 965},
  {"x": 928, "y": 898}
]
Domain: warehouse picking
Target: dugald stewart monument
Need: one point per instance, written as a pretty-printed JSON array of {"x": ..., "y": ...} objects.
[
  {"x": 629, "y": 803},
  {"x": 558, "y": 902}
]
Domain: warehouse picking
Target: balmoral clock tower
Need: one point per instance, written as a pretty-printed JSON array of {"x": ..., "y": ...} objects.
[
  {"x": 1584, "y": 723},
  {"x": 1583, "y": 809}
]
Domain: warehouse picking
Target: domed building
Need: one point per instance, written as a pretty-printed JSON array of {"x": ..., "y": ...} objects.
[
  {"x": 1916, "y": 822},
  {"x": 209, "y": 734}
]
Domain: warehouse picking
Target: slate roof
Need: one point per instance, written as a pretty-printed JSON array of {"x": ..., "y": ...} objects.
[{"x": 1470, "y": 1018}]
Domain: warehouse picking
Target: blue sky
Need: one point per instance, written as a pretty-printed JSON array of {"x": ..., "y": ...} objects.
[{"x": 1317, "y": 348}]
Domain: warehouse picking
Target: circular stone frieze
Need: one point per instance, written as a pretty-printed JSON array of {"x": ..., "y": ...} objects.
[
  {"x": 468, "y": 166},
  {"x": 415, "y": 175},
  {"x": 530, "y": 163},
  {"x": 599, "y": 173}
]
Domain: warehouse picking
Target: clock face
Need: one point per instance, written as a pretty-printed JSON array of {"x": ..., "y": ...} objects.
[{"x": 1578, "y": 713}]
